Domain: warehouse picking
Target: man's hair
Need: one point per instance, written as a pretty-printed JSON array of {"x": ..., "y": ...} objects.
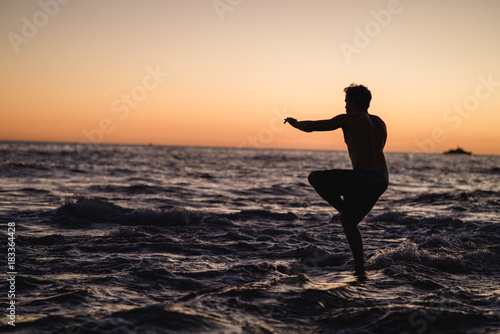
[{"x": 359, "y": 95}]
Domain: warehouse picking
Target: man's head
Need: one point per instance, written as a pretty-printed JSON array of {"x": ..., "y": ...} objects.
[{"x": 357, "y": 97}]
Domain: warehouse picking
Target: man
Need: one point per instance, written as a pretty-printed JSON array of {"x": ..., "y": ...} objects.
[{"x": 361, "y": 187}]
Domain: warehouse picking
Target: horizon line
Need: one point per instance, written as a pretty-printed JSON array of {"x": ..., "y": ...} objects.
[{"x": 208, "y": 146}]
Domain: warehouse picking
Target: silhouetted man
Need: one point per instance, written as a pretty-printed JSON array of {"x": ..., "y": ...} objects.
[{"x": 353, "y": 192}]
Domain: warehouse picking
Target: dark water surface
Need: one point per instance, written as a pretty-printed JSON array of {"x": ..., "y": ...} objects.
[{"x": 146, "y": 239}]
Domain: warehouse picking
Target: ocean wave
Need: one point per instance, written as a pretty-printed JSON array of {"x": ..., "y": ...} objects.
[
  {"x": 129, "y": 190},
  {"x": 70, "y": 297},
  {"x": 156, "y": 318},
  {"x": 315, "y": 256},
  {"x": 81, "y": 211},
  {"x": 262, "y": 214},
  {"x": 451, "y": 260}
]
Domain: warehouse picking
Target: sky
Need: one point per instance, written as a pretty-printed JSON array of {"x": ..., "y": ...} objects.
[{"x": 227, "y": 72}]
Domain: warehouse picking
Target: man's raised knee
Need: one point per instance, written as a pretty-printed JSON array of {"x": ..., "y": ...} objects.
[{"x": 312, "y": 178}]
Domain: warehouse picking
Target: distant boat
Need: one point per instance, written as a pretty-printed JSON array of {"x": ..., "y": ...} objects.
[{"x": 458, "y": 150}]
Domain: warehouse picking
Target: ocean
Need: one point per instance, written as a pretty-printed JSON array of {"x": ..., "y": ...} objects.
[{"x": 157, "y": 239}]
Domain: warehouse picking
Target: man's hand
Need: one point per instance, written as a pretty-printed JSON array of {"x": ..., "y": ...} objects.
[{"x": 292, "y": 121}]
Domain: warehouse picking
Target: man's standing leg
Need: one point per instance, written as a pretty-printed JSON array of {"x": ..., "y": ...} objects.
[
  {"x": 358, "y": 203},
  {"x": 353, "y": 235}
]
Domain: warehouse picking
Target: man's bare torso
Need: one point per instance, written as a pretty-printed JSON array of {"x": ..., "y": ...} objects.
[{"x": 365, "y": 136}]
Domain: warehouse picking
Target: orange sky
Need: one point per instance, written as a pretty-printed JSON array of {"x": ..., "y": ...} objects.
[{"x": 226, "y": 73}]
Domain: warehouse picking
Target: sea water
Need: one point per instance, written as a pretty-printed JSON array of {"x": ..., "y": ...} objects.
[{"x": 155, "y": 239}]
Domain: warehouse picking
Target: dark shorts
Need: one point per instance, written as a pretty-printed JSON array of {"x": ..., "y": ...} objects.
[{"x": 360, "y": 192}]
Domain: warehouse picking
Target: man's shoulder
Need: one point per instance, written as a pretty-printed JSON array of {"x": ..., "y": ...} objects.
[
  {"x": 365, "y": 115},
  {"x": 376, "y": 118},
  {"x": 343, "y": 119}
]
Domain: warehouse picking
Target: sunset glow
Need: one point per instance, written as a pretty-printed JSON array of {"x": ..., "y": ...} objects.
[{"x": 226, "y": 73}]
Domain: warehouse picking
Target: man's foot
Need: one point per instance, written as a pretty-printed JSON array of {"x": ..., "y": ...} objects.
[
  {"x": 360, "y": 276},
  {"x": 359, "y": 270}
]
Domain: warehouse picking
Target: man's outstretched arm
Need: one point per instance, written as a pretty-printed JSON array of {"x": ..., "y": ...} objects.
[{"x": 324, "y": 125}]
